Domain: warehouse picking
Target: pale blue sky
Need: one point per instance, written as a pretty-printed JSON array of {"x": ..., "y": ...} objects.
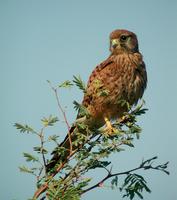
[{"x": 53, "y": 40}]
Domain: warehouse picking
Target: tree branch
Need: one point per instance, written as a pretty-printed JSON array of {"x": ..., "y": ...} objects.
[
  {"x": 144, "y": 165},
  {"x": 44, "y": 187}
]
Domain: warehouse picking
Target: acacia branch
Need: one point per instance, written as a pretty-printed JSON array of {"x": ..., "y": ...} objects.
[
  {"x": 44, "y": 187},
  {"x": 144, "y": 165},
  {"x": 82, "y": 140},
  {"x": 63, "y": 113}
]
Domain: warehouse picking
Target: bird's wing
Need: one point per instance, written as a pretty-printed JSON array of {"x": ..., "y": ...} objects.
[{"x": 88, "y": 96}]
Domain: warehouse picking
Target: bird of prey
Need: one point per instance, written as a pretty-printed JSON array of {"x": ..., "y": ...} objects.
[{"x": 122, "y": 76}]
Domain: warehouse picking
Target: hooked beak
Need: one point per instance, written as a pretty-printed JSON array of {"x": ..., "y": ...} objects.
[{"x": 115, "y": 43}]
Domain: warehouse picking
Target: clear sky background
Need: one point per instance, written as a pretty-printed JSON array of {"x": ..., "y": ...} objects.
[{"x": 53, "y": 40}]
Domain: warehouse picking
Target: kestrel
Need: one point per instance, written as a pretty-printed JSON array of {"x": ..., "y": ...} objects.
[{"x": 121, "y": 77}]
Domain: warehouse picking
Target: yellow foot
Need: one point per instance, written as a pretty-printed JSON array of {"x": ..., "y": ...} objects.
[
  {"x": 123, "y": 119},
  {"x": 109, "y": 130}
]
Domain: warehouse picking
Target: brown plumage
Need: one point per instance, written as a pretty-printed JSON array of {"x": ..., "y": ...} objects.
[{"x": 121, "y": 77}]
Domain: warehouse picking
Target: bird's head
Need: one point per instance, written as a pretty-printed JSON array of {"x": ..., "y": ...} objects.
[{"x": 122, "y": 41}]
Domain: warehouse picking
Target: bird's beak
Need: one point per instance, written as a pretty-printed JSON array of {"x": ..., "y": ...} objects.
[{"x": 115, "y": 43}]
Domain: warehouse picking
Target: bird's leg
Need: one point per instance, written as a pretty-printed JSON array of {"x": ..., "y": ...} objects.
[
  {"x": 123, "y": 119},
  {"x": 109, "y": 129}
]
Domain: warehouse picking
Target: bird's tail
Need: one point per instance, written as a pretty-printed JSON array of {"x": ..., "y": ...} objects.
[{"x": 57, "y": 157}]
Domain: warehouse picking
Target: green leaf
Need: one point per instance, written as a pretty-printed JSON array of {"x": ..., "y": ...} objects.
[
  {"x": 98, "y": 84},
  {"x": 66, "y": 84},
  {"x": 131, "y": 194},
  {"x": 79, "y": 83},
  {"x": 134, "y": 184},
  {"x": 40, "y": 150},
  {"x": 128, "y": 143},
  {"x": 53, "y": 138},
  {"x": 140, "y": 177},
  {"x": 30, "y": 157},
  {"x": 81, "y": 126},
  {"x": 103, "y": 93},
  {"x": 145, "y": 186},
  {"x": 127, "y": 179},
  {"x": 139, "y": 194},
  {"x": 98, "y": 164},
  {"x": 55, "y": 192},
  {"x": 24, "y": 128},
  {"x": 124, "y": 103},
  {"x": 139, "y": 110},
  {"x": 82, "y": 110},
  {"x": 77, "y": 105},
  {"x": 114, "y": 181},
  {"x": 59, "y": 150},
  {"x": 135, "y": 129},
  {"x": 84, "y": 183},
  {"x": 25, "y": 170},
  {"x": 50, "y": 121}
]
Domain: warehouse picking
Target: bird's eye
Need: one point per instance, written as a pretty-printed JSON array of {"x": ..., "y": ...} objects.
[{"x": 123, "y": 37}]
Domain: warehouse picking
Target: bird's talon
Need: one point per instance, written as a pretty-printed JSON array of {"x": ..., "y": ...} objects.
[{"x": 109, "y": 131}]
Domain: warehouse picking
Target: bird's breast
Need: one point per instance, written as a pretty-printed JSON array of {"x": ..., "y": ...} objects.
[
  {"x": 123, "y": 79},
  {"x": 131, "y": 75}
]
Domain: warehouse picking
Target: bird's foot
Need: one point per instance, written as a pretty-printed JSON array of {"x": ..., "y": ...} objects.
[
  {"x": 109, "y": 130},
  {"x": 123, "y": 119}
]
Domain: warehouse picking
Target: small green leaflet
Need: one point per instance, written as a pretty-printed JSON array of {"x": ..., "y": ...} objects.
[
  {"x": 50, "y": 121},
  {"x": 26, "y": 170},
  {"x": 79, "y": 83},
  {"x": 66, "y": 84},
  {"x": 24, "y": 128},
  {"x": 82, "y": 110},
  {"x": 40, "y": 150},
  {"x": 30, "y": 157},
  {"x": 114, "y": 181}
]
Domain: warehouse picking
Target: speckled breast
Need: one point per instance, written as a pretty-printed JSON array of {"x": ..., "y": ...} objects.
[{"x": 122, "y": 79}]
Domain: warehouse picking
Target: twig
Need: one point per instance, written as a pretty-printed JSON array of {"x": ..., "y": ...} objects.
[
  {"x": 61, "y": 109},
  {"x": 40, "y": 172},
  {"x": 63, "y": 113},
  {"x": 41, "y": 135},
  {"x": 142, "y": 166}
]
